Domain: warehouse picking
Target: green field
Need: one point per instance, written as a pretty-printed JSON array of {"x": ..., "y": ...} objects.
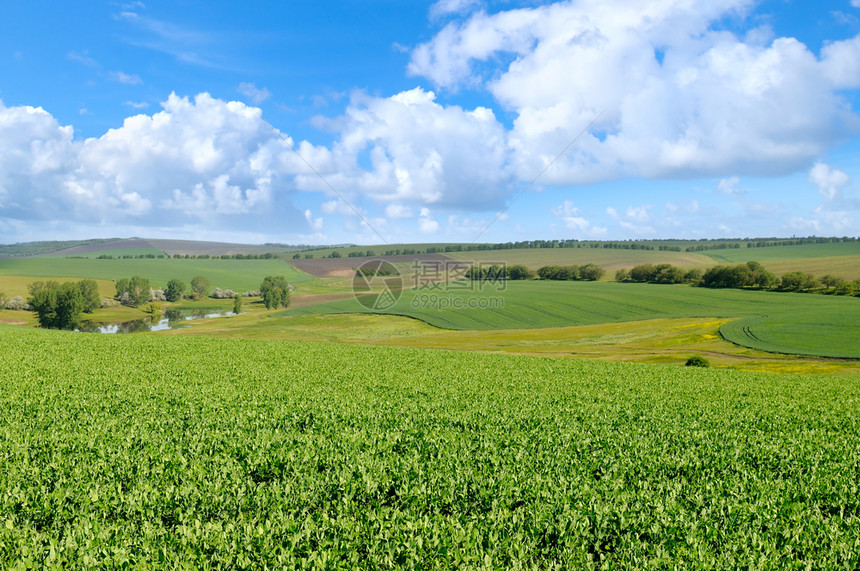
[
  {"x": 802, "y": 251},
  {"x": 609, "y": 259},
  {"x": 144, "y": 451},
  {"x": 823, "y": 333},
  {"x": 116, "y": 253},
  {"x": 541, "y": 304},
  {"x": 239, "y": 275}
]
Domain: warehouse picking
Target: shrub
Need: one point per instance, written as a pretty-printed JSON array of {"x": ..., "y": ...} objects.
[
  {"x": 798, "y": 281},
  {"x": 200, "y": 286},
  {"x": 591, "y": 272},
  {"x": 643, "y": 273},
  {"x": 520, "y": 272},
  {"x": 219, "y": 293},
  {"x": 18, "y": 303},
  {"x": 697, "y": 361}
]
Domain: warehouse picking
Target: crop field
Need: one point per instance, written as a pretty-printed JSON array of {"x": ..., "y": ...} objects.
[
  {"x": 821, "y": 333},
  {"x": 240, "y": 275},
  {"x": 345, "y": 267},
  {"x": 609, "y": 259},
  {"x": 236, "y": 453},
  {"x": 540, "y": 304},
  {"x": 804, "y": 251}
]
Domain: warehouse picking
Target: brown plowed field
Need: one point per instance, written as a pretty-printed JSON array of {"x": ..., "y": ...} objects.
[{"x": 345, "y": 267}]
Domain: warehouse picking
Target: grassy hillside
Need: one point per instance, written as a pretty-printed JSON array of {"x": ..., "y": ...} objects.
[
  {"x": 536, "y": 304},
  {"x": 824, "y": 333},
  {"x": 36, "y": 248},
  {"x": 785, "y": 252},
  {"x": 610, "y": 259},
  {"x": 147, "y": 451},
  {"x": 239, "y": 275}
]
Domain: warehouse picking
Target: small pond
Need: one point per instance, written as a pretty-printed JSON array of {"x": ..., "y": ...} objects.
[{"x": 170, "y": 319}]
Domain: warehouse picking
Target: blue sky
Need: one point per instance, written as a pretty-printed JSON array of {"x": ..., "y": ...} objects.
[{"x": 409, "y": 121}]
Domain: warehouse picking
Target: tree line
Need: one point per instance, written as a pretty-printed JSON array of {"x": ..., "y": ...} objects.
[
  {"x": 677, "y": 245},
  {"x": 60, "y": 306},
  {"x": 748, "y": 275}
]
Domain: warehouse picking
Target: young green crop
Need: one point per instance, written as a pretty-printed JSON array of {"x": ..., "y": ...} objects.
[
  {"x": 145, "y": 451},
  {"x": 796, "y": 323}
]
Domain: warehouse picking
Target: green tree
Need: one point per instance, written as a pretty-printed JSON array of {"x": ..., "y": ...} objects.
[
  {"x": 275, "y": 292},
  {"x": 643, "y": 273},
  {"x": 520, "y": 272},
  {"x": 237, "y": 304},
  {"x": 200, "y": 286},
  {"x": 693, "y": 277},
  {"x": 90, "y": 293},
  {"x": 57, "y": 306},
  {"x": 138, "y": 290},
  {"x": 622, "y": 275},
  {"x": 121, "y": 287},
  {"x": 798, "y": 281},
  {"x": 133, "y": 291},
  {"x": 591, "y": 272},
  {"x": 175, "y": 289},
  {"x": 3, "y": 301}
]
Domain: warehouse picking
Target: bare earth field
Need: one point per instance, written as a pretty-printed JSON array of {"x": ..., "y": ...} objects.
[{"x": 345, "y": 267}]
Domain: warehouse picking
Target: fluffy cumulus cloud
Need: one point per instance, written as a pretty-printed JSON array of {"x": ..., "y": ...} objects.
[
  {"x": 674, "y": 96},
  {"x": 574, "y": 220},
  {"x": 837, "y": 213},
  {"x": 828, "y": 180},
  {"x": 636, "y": 219},
  {"x": 202, "y": 160},
  {"x": 418, "y": 152}
]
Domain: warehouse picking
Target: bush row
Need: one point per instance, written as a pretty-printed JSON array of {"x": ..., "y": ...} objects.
[{"x": 749, "y": 275}]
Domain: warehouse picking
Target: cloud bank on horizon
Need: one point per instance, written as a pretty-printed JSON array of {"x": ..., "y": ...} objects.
[{"x": 709, "y": 123}]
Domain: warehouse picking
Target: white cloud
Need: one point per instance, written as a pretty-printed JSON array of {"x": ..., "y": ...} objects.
[
  {"x": 201, "y": 159},
  {"x": 636, "y": 219},
  {"x": 829, "y": 181},
  {"x": 83, "y": 57},
  {"x": 254, "y": 94},
  {"x": 137, "y": 104},
  {"x": 574, "y": 220},
  {"x": 125, "y": 78},
  {"x": 398, "y": 211},
  {"x": 445, "y": 7},
  {"x": 679, "y": 98},
  {"x": 855, "y": 3},
  {"x": 316, "y": 224},
  {"x": 426, "y": 223},
  {"x": 729, "y": 186},
  {"x": 419, "y": 151}
]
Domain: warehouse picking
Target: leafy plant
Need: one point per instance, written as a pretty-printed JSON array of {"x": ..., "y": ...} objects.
[{"x": 697, "y": 361}]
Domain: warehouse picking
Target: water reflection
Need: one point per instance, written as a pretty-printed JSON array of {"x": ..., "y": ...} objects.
[{"x": 169, "y": 319}]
